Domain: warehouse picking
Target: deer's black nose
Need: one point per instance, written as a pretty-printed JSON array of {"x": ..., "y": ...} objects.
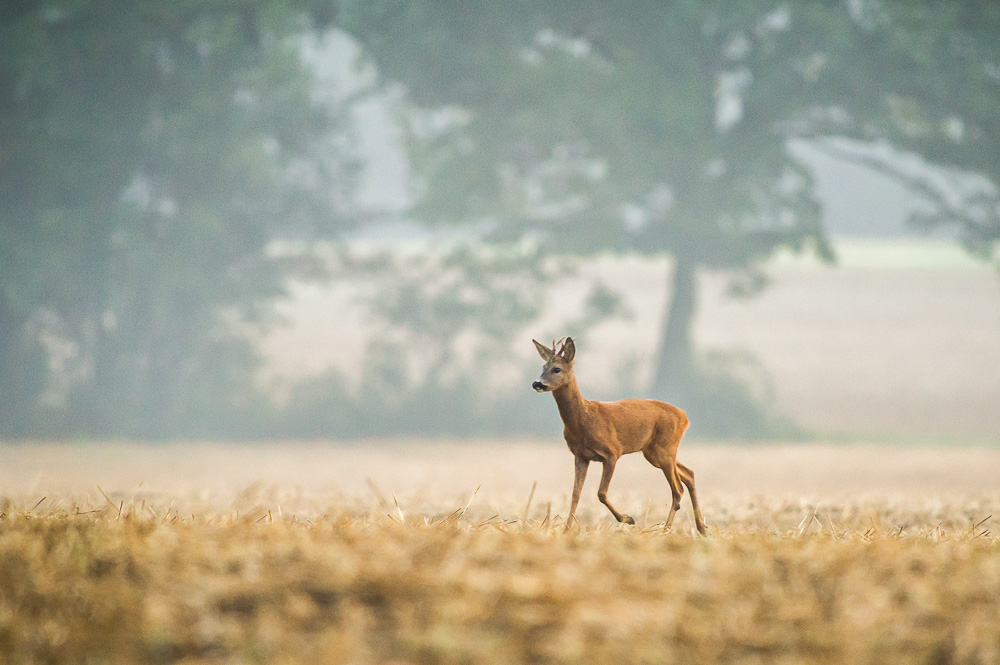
[{"x": 538, "y": 386}]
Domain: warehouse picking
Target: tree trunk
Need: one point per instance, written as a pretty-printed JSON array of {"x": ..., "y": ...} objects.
[{"x": 674, "y": 361}]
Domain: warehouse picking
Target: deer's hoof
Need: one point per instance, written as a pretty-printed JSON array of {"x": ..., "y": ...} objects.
[{"x": 627, "y": 520}]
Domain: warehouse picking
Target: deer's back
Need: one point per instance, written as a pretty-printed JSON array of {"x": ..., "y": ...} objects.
[{"x": 638, "y": 422}]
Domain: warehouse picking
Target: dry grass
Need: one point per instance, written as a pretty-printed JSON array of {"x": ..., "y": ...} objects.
[{"x": 478, "y": 571}]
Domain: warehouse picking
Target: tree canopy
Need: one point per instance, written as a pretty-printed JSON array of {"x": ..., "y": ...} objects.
[
  {"x": 148, "y": 153},
  {"x": 934, "y": 120},
  {"x": 664, "y": 128}
]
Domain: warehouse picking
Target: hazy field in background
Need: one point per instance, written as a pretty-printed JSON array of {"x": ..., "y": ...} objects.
[
  {"x": 310, "y": 479},
  {"x": 899, "y": 340},
  {"x": 902, "y": 340}
]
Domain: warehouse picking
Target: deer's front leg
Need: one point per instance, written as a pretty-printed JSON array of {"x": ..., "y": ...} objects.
[
  {"x": 602, "y": 492},
  {"x": 581, "y": 475}
]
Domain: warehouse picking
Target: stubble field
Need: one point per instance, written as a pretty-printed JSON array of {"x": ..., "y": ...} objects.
[{"x": 454, "y": 552}]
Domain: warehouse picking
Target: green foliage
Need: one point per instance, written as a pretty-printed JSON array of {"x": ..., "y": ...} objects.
[
  {"x": 148, "y": 153},
  {"x": 663, "y": 128},
  {"x": 576, "y": 113},
  {"x": 930, "y": 90},
  {"x": 588, "y": 128}
]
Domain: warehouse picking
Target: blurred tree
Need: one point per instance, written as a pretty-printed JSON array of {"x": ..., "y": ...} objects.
[
  {"x": 590, "y": 127},
  {"x": 933, "y": 118},
  {"x": 149, "y": 151},
  {"x": 663, "y": 128}
]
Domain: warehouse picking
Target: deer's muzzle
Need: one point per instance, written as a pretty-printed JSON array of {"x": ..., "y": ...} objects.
[{"x": 538, "y": 386}]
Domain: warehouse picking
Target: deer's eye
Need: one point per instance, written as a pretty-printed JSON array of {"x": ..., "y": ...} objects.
[{"x": 556, "y": 370}]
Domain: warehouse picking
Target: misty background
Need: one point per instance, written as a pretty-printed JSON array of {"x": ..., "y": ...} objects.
[{"x": 343, "y": 219}]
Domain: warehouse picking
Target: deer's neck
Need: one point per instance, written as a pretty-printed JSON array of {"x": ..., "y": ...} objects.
[{"x": 572, "y": 406}]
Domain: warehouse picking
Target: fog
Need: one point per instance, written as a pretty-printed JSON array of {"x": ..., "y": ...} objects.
[{"x": 339, "y": 221}]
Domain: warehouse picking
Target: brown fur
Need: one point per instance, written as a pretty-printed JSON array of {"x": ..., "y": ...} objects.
[{"x": 604, "y": 431}]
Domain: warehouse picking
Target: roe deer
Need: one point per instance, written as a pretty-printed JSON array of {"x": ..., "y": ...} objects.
[{"x": 604, "y": 431}]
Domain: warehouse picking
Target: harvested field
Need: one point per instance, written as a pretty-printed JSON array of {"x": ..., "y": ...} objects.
[{"x": 455, "y": 553}]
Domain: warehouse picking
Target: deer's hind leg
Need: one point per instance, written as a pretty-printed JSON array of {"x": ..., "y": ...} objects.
[
  {"x": 668, "y": 465},
  {"x": 676, "y": 490},
  {"x": 687, "y": 477}
]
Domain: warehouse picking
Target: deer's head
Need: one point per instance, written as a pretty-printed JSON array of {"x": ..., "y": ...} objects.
[{"x": 558, "y": 368}]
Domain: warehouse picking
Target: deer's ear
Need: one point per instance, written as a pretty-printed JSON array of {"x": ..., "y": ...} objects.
[
  {"x": 545, "y": 352},
  {"x": 568, "y": 350}
]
